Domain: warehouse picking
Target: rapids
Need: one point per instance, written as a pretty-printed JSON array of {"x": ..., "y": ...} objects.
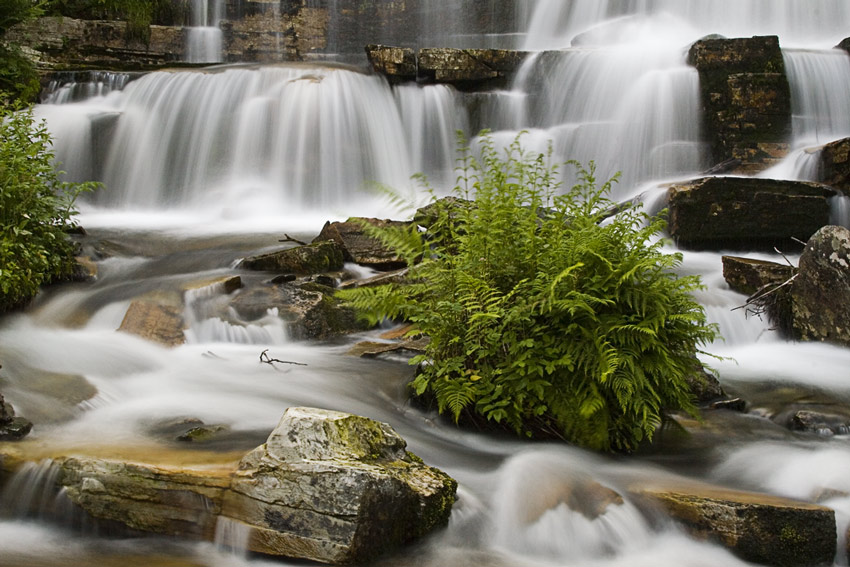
[{"x": 204, "y": 167}]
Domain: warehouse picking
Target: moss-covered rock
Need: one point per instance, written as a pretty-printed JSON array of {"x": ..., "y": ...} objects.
[
  {"x": 756, "y": 527},
  {"x": 834, "y": 165},
  {"x": 357, "y": 246},
  {"x": 321, "y": 256},
  {"x": 821, "y": 290},
  {"x": 336, "y": 488}
]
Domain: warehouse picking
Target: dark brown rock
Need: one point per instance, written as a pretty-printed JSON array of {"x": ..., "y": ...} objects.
[
  {"x": 468, "y": 67},
  {"x": 321, "y": 256},
  {"x": 748, "y": 275},
  {"x": 746, "y": 99},
  {"x": 359, "y": 247},
  {"x": 845, "y": 44},
  {"x": 755, "y": 527},
  {"x": 746, "y": 213},
  {"x": 821, "y": 290},
  {"x": 834, "y": 165}
]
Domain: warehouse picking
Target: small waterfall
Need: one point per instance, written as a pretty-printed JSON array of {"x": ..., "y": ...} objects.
[
  {"x": 204, "y": 38},
  {"x": 232, "y": 536},
  {"x": 64, "y": 88},
  {"x": 820, "y": 81},
  {"x": 32, "y": 491},
  {"x": 209, "y": 319}
]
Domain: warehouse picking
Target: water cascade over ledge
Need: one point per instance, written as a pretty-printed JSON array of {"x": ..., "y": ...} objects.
[{"x": 203, "y": 167}]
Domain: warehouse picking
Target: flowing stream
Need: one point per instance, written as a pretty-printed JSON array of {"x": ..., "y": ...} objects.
[{"x": 204, "y": 167}]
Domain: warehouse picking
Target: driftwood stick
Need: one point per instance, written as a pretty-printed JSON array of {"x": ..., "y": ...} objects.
[
  {"x": 290, "y": 239},
  {"x": 264, "y": 357}
]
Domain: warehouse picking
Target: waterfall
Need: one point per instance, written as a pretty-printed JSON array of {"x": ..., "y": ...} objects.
[
  {"x": 555, "y": 23},
  {"x": 820, "y": 81},
  {"x": 32, "y": 491},
  {"x": 204, "y": 38},
  {"x": 642, "y": 100},
  {"x": 209, "y": 319}
]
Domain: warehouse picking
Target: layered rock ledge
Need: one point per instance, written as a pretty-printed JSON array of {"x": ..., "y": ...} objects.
[{"x": 326, "y": 486}]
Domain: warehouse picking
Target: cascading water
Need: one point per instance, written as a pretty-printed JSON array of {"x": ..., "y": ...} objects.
[
  {"x": 211, "y": 155},
  {"x": 204, "y": 37}
]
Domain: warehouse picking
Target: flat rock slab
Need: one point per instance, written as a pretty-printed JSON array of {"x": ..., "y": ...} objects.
[
  {"x": 748, "y": 275},
  {"x": 746, "y": 213},
  {"x": 359, "y": 247},
  {"x": 316, "y": 258},
  {"x": 756, "y": 527},
  {"x": 157, "y": 317}
]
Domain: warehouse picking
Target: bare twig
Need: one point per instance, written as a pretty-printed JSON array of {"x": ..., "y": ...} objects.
[
  {"x": 264, "y": 357},
  {"x": 290, "y": 239}
]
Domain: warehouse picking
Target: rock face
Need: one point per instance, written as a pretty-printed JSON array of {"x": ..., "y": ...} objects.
[
  {"x": 756, "y": 527},
  {"x": 738, "y": 212},
  {"x": 398, "y": 64},
  {"x": 321, "y": 256},
  {"x": 98, "y": 44},
  {"x": 326, "y": 486},
  {"x": 359, "y": 247},
  {"x": 834, "y": 165},
  {"x": 821, "y": 291},
  {"x": 746, "y": 99},
  {"x": 335, "y": 488},
  {"x": 273, "y": 31},
  {"x": 747, "y": 275}
]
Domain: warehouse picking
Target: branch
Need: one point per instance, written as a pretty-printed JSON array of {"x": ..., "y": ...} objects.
[
  {"x": 290, "y": 239},
  {"x": 264, "y": 357}
]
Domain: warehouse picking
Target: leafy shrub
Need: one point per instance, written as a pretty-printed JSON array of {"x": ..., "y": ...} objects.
[
  {"x": 36, "y": 209},
  {"x": 139, "y": 14},
  {"x": 543, "y": 314},
  {"x": 18, "y": 76}
]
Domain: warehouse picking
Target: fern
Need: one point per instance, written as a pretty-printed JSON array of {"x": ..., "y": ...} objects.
[{"x": 544, "y": 314}]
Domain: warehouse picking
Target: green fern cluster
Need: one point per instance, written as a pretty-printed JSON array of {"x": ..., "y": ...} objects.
[{"x": 543, "y": 314}]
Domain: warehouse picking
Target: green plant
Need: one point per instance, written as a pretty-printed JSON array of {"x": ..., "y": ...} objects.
[
  {"x": 544, "y": 314},
  {"x": 18, "y": 76},
  {"x": 36, "y": 209}
]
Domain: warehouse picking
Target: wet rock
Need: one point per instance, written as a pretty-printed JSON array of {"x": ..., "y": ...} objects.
[
  {"x": 161, "y": 499},
  {"x": 310, "y": 310},
  {"x": 12, "y": 428},
  {"x": 739, "y": 212},
  {"x": 335, "y": 488},
  {"x": 222, "y": 284},
  {"x": 746, "y": 99},
  {"x": 834, "y": 165},
  {"x": 731, "y": 404},
  {"x": 468, "y": 67},
  {"x": 705, "y": 386},
  {"x": 285, "y": 278},
  {"x": 321, "y": 256},
  {"x": 371, "y": 349},
  {"x": 157, "y": 317},
  {"x": 393, "y": 277},
  {"x": 396, "y": 63},
  {"x": 748, "y": 275},
  {"x": 201, "y": 433},
  {"x": 821, "y": 290},
  {"x": 359, "y": 247},
  {"x": 845, "y": 44},
  {"x": 756, "y": 527},
  {"x": 819, "y": 422}
]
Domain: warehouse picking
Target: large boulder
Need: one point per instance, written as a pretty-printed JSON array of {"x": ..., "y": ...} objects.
[
  {"x": 821, "y": 290},
  {"x": 358, "y": 247},
  {"x": 756, "y": 527},
  {"x": 321, "y": 256},
  {"x": 336, "y": 488},
  {"x": 746, "y": 99},
  {"x": 834, "y": 165},
  {"x": 743, "y": 212}
]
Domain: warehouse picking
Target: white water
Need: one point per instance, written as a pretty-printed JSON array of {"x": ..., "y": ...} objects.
[
  {"x": 195, "y": 162},
  {"x": 204, "y": 37}
]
